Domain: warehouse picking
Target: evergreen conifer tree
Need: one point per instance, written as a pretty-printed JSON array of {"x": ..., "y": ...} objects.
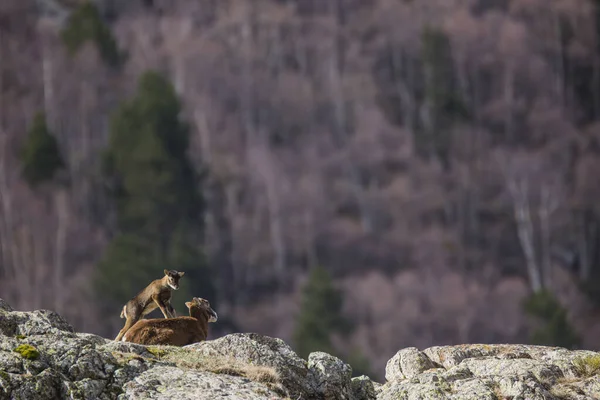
[
  {"x": 320, "y": 315},
  {"x": 157, "y": 194},
  {"x": 443, "y": 104},
  {"x": 555, "y": 329},
  {"x": 40, "y": 155},
  {"x": 84, "y": 25}
]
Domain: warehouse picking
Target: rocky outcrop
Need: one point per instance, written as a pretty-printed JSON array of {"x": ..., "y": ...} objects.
[
  {"x": 41, "y": 357},
  {"x": 254, "y": 349},
  {"x": 494, "y": 372}
]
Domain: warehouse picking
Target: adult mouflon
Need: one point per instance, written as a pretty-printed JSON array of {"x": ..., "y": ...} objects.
[
  {"x": 178, "y": 331},
  {"x": 156, "y": 294}
]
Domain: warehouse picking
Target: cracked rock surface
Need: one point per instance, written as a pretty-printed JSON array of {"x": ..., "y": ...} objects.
[
  {"x": 41, "y": 357},
  {"x": 494, "y": 372}
]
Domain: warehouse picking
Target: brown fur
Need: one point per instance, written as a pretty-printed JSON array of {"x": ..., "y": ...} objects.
[
  {"x": 156, "y": 295},
  {"x": 178, "y": 331}
]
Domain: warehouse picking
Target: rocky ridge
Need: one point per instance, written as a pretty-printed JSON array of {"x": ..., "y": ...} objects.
[{"x": 41, "y": 357}]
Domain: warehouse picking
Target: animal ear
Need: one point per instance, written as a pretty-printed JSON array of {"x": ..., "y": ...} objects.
[
  {"x": 166, "y": 272},
  {"x": 181, "y": 274},
  {"x": 188, "y": 304}
]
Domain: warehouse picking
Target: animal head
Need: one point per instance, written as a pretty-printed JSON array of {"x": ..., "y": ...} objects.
[
  {"x": 204, "y": 305},
  {"x": 173, "y": 278}
]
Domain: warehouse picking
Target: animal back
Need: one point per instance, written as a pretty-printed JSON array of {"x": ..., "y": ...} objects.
[{"x": 178, "y": 331}]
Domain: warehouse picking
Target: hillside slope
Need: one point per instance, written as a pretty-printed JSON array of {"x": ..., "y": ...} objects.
[{"x": 438, "y": 157}]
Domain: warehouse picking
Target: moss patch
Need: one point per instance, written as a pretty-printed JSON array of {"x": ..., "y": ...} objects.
[
  {"x": 20, "y": 336},
  {"x": 156, "y": 351},
  {"x": 27, "y": 351},
  {"x": 587, "y": 366}
]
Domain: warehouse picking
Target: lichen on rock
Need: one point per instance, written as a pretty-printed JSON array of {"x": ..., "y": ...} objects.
[
  {"x": 53, "y": 361},
  {"x": 493, "y": 372},
  {"x": 330, "y": 376},
  {"x": 255, "y": 349},
  {"x": 407, "y": 363},
  {"x": 41, "y": 357},
  {"x": 363, "y": 388}
]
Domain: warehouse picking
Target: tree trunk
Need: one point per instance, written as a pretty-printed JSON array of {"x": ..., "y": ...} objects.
[
  {"x": 509, "y": 98},
  {"x": 309, "y": 240},
  {"x": 586, "y": 239},
  {"x": 10, "y": 264},
  {"x": 560, "y": 60},
  {"x": 525, "y": 232},
  {"x": 59, "y": 275},
  {"x": 47, "y": 81},
  {"x": 596, "y": 85},
  {"x": 341, "y": 133},
  {"x": 275, "y": 225},
  {"x": 402, "y": 91},
  {"x": 222, "y": 258},
  {"x": 544, "y": 216},
  {"x": 231, "y": 213},
  {"x": 204, "y": 135}
]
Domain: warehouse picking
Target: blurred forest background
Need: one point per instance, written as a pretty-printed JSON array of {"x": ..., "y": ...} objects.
[{"x": 355, "y": 176}]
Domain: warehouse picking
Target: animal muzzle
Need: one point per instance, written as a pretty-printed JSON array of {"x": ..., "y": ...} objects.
[
  {"x": 173, "y": 286},
  {"x": 213, "y": 316}
]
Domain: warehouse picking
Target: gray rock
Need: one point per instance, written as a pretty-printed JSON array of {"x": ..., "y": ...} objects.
[
  {"x": 410, "y": 390},
  {"x": 11, "y": 362},
  {"x": 170, "y": 383},
  {"x": 42, "y": 358},
  {"x": 378, "y": 388},
  {"x": 363, "y": 388},
  {"x": 331, "y": 376},
  {"x": 521, "y": 388},
  {"x": 450, "y": 356},
  {"x": 46, "y": 385},
  {"x": 4, "y": 306},
  {"x": 433, "y": 385},
  {"x": 516, "y": 372},
  {"x": 563, "y": 359},
  {"x": 456, "y": 373},
  {"x": 407, "y": 363},
  {"x": 8, "y": 326},
  {"x": 126, "y": 347},
  {"x": 473, "y": 389},
  {"x": 264, "y": 351},
  {"x": 38, "y": 322},
  {"x": 590, "y": 386},
  {"x": 523, "y": 368}
]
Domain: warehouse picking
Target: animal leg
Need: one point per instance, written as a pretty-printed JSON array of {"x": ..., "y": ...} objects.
[
  {"x": 128, "y": 324},
  {"x": 171, "y": 310},
  {"x": 160, "y": 305}
]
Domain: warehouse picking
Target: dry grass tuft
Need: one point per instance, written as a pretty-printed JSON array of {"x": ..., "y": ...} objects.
[
  {"x": 587, "y": 366},
  {"x": 190, "y": 359},
  {"x": 564, "y": 391}
]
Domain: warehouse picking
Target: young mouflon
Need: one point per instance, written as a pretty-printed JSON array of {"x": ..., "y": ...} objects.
[
  {"x": 178, "y": 331},
  {"x": 156, "y": 294}
]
